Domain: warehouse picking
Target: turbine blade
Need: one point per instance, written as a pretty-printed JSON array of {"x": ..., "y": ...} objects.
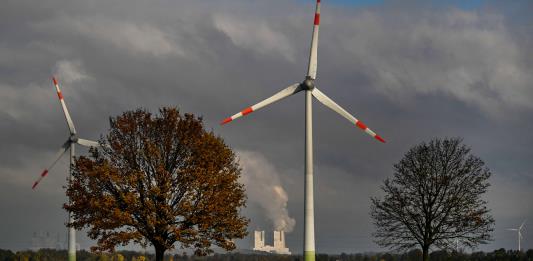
[
  {"x": 313, "y": 63},
  {"x": 64, "y": 106},
  {"x": 338, "y": 109},
  {"x": 522, "y": 225},
  {"x": 512, "y": 229},
  {"x": 60, "y": 153},
  {"x": 88, "y": 143},
  {"x": 274, "y": 98}
]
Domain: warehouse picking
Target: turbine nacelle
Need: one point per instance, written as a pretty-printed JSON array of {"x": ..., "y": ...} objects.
[
  {"x": 73, "y": 138},
  {"x": 308, "y": 84}
]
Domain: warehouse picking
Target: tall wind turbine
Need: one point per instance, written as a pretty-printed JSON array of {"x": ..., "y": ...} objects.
[
  {"x": 308, "y": 85},
  {"x": 519, "y": 232},
  {"x": 72, "y": 140}
]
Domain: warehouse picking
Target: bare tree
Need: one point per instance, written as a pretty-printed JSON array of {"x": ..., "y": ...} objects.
[
  {"x": 159, "y": 179},
  {"x": 434, "y": 199}
]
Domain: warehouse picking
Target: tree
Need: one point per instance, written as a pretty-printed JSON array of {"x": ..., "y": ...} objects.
[
  {"x": 6, "y": 255},
  {"x": 160, "y": 180},
  {"x": 433, "y": 199}
]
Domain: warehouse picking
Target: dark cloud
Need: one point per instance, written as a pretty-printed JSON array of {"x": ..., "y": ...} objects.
[{"x": 411, "y": 71}]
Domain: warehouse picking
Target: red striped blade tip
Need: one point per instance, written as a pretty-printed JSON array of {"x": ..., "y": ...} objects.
[
  {"x": 45, "y": 172},
  {"x": 380, "y": 139},
  {"x": 34, "y": 185},
  {"x": 361, "y": 125},
  {"x": 54, "y": 80},
  {"x": 247, "y": 111},
  {"x": 317, "y": 19},
  {"x": 226, "y": 120}
]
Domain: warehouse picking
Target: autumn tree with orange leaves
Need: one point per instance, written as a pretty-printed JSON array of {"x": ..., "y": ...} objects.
[{"x": 160, "y": 180}]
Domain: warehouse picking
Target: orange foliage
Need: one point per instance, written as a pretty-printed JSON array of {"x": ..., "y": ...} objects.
[{"x": 159, "y": 179}]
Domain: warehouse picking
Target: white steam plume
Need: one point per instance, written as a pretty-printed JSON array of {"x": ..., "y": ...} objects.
[{"x": 263, "y": 186}]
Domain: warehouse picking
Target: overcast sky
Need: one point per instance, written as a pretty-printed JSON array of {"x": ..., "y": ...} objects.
[{"x": 411, "y": 70}]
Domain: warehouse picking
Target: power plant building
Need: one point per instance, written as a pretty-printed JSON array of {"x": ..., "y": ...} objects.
[{"x": 279, "y": 243}]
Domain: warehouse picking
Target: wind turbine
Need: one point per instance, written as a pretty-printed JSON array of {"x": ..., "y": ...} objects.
[
  {"x": 519, "y": 230},
  {"x": 308, "y": 85},
  {"x": 69, "y": 144}
]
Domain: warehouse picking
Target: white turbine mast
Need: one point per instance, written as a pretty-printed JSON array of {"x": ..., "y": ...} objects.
[
  {"x": 519, "y": 232},
  {"x": 308, "y": 85},
  {"x": 72, "y": 140}
]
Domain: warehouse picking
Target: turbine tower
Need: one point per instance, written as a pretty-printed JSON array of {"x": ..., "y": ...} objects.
[
  {"x": 308, "y": 85},
  {"x": 519, "y": 232},
  {"x": 69, "y": 144}
]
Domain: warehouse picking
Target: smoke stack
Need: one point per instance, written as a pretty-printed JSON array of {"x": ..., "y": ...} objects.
[
  {"x": 259, "y": 240},
  {"x": 279, "y": 239}
]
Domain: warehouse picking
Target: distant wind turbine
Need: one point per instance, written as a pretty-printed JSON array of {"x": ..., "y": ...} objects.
[
  {"x": 308, "y": 85},
  {"x": 519, "y": 232},
  {"x": 69, "y": 144}
]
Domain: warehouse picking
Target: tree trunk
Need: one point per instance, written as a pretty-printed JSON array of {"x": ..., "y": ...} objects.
[
  {"x": 159, "y": 253},
  {"x": 425, "y": 253}
]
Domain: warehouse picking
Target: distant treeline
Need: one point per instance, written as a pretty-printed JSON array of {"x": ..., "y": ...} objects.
[{"x": 414, "y": 255}]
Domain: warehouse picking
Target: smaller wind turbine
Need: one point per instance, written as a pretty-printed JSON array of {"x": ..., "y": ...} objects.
[
  {"x": 69, "y": 144},
  {"x": 519, "y": 232}
]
